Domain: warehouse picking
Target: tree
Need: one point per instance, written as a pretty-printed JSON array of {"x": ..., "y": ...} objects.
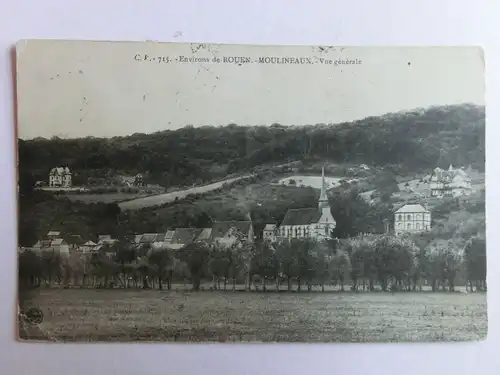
[
  {"x": 181, "y": 270},
  {"x": 26, "y": 184},
  {"x": 236, "y": 265},
  {"x": 452, "y": 263},
  {"x": 386, "y": 182},
  {"x": 30, "y": 268},
  {"x": 362, "y": 257},
  {"x": 422, "y": 268},
  {"x": 264, "y": 263},
  {"x": 444, "y": 263},
  {"x": 286, "y": 261},
  {"x": 339, "y": 267},
  {"x": 197, "y": 256},
  {"x": 162, "y": 260},
  {"x": 51, "y": 266},
  {"x": 104, "y": 268},
  {"x": 73, "y": 268},
  {"x": 350, "y": 211},
  {"x": 394, "y": 260},
  {"x": 146, "y": 270},
  {"x": 475, "y": 262},
  {"x": 247, "y": 250},
  {"x": 303, "y": 265},
  {"x": 321, "y": 257},
  {"x": 125, "y": 254},
  {"x": 218, "y": 266},
  {"x": 28, "y": 227}
]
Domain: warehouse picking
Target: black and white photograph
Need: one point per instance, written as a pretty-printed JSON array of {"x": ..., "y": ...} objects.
[{"x": 186, "y": 192}]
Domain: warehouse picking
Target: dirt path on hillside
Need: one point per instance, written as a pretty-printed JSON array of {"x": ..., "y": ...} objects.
[{"x": 157, "y": 200}]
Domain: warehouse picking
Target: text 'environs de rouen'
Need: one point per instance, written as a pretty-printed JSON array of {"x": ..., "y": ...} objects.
[{"x": 240, "y": 60}]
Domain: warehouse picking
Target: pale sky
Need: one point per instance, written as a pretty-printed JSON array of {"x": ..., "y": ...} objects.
[{"x": 78, "y": 89}]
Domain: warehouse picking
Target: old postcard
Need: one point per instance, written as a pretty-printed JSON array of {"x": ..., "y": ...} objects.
[{"x": 196, "y": 192}]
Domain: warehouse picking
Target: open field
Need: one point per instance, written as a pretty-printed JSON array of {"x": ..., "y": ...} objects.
[
  {"x": 126, "y": 315},
  {"x": 157, "y": 200},
  {"x": 310, "y": 181}
]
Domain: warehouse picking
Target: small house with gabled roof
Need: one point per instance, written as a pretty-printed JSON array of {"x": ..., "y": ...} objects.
[
  {"x": 89, "y": 247},
  {"x": 57, "y": 245},
  {"x": 269, "y": 232}
]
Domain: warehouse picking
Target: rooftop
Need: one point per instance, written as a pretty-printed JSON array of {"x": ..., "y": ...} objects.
[
  {"x": 205, "y": 234},
  {"x": 148, "y": 237},
  {"x": 60, "y": 171},
  {"x": 185, "y": 235},
  {"x": 412, "y": 208},
  {"x": 221, "y": 228},
  {"x": 301, "y": 216}
]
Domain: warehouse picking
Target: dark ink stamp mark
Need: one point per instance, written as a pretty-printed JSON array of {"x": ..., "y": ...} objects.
[{"x": 34, "y": 316}]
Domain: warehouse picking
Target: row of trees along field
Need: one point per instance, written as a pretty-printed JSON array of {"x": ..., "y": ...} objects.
[
  {"x": 417, "y": 139},
  {"x": 381, "y": 262}
]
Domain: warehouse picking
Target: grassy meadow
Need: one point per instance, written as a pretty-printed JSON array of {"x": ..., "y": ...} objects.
[{"x": 132, "y": 315}]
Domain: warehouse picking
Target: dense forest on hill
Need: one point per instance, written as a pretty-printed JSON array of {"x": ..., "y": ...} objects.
[{"x": 418, "y": 139}]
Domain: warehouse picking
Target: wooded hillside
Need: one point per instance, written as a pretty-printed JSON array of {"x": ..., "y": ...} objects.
[{"x": 418, "y": 139}]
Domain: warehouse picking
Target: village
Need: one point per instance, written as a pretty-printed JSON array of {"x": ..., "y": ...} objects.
[{"x": 317, "y": 223}]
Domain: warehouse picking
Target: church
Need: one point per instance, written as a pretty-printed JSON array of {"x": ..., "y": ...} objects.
[{"x": 316, "y": 223}]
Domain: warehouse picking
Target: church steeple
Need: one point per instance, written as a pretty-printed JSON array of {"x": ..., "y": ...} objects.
[{"x": 323, "y": 198}]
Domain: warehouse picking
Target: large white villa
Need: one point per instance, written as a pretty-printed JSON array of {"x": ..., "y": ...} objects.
[
  {"x": 60, "y": 177},
  {"x": 449, "y": 183},
  {"x": 412, "y": 218}
]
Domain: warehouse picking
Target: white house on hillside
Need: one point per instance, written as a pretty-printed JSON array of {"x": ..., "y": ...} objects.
[
  {"x": 60, "y": 177},
  {"x": 449, "y": 183},
  {"x": 412, "y": 218}
]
